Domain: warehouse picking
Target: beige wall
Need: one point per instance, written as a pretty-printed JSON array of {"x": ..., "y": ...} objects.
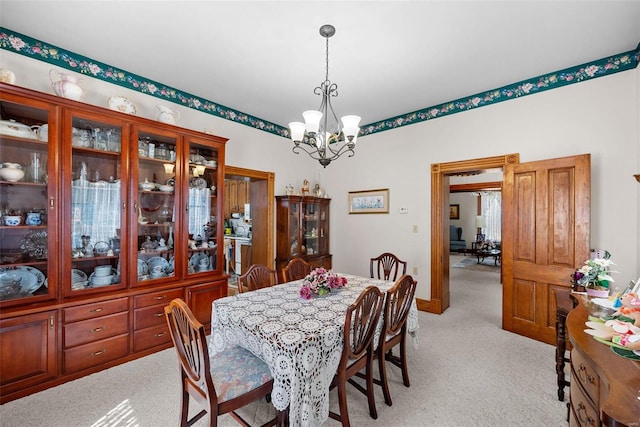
[{"x": 601, "y": 117}]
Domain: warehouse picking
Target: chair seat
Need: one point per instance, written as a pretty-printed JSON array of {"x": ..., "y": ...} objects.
[{"x": 248, "y": 373}]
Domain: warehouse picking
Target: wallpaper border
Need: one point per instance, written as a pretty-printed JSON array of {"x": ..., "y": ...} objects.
[{"x": 39, "y": 50}]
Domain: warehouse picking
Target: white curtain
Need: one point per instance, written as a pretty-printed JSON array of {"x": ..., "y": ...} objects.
[{"x": 492, "y": 211}]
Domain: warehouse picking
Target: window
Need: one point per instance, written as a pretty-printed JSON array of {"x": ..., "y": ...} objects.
[{"x": 492, "y": 211}]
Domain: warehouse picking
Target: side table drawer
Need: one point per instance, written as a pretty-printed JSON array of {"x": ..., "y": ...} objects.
[
  {"x": 583, "y": 372},
  {"x": 151, "y": 337},
  {"x": 88, "y": 355},
  {"x": 584, "y": 414},
  {"x": 87, "y": 331},
  {"x": 163, "y": 297},
  {"x": 89, "y": 311},
  {"x": 149, "y": 316}
]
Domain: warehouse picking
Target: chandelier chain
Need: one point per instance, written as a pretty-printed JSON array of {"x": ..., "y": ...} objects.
[{"x": 327, "y": 60}]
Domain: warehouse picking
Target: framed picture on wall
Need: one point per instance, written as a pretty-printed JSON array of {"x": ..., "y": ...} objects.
[
  {"x": 454, "y": 211},
  {"x": 370, "y": 201}
]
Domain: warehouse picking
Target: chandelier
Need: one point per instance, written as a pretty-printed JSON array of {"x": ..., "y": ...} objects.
[{"x": 320, "y": 135}]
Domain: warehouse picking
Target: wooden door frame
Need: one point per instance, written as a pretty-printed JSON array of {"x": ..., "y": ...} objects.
[
  {"x": 257, "y": 175},
  {"x": 440, "y": 173}
]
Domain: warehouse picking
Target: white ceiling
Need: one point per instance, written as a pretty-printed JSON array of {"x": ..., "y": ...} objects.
[{"x": 388, "y": 58}]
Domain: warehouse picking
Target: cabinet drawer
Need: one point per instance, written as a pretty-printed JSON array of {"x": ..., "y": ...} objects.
[
  {"x": 89, "y": 311},
  {"x": 584, "y": 373},
  {"x": 149, "y": 316},
  {"x": 583, "y": 411},
  {"x": 151, "y": 337},
  {"x": 87, "y": 331},
  {"x": 88, "y": 355},
  {"x": 157, "y": 297}
]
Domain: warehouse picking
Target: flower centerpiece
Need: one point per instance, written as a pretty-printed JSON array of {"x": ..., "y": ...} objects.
[
  {"x": 320, "y": 282},
  {"x": 594, "y": 275}
]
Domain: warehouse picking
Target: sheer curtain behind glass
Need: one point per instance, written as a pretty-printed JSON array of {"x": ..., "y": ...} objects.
[{"x": 492, "y": 211}]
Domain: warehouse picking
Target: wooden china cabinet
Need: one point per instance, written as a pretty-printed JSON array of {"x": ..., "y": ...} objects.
[
  {"x": 112, "y": 216},
  {"x": 302, "y": 230}
]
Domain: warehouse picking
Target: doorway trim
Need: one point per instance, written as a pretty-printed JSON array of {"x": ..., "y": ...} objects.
[
  {"x": 440, "y": 173},
  {"x": 256, "y": 175}
]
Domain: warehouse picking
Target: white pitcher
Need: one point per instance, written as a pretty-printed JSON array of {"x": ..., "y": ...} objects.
[
  {"x": 67, "y": 85},
  {"x": 166, "y": 115}
]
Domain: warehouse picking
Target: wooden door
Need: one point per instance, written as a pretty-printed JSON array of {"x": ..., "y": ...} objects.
[{"x": 545, "y": 235}]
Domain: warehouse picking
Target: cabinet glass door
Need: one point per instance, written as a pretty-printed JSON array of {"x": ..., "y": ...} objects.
[
  {"x": 154, "y": 192},
  {"x": 323, "y": 228},
  {"x": 310, "y": 222},
  {"x": 95, "y": 180},
  {"x": 294, "y": 228},
  {"x": 28, "y": 212},
  {"x": 202, "y": 178}
]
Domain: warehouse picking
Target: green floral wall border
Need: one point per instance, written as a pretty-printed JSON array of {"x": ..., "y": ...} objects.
[
  {"x": 35, "y": 49},
  {"x": 27, "y": 46},
  {"x": 591, "y": 70}
]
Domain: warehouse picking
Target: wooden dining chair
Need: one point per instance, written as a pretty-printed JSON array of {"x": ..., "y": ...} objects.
[
  {"x": 257, "y": 276},
  {"x": 396, "y": 311},
  {"x": 221, "y": 384},
  {"x": 296, "y": 269},
  {"x": 357, "y": 353},
  {"x": 387, "y": 266}
]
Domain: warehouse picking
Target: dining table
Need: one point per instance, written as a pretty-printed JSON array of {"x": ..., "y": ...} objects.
[{"x": 300, "y": 340}]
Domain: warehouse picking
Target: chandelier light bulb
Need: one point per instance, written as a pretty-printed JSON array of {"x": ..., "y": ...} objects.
[
  {"x": 297, "y": 131},
  {"x": 312, "y": 121},
  {"x": 350, "y": 125}
]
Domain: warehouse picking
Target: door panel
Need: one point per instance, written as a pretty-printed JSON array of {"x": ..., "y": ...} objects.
[{"x": 546, "y": 208}]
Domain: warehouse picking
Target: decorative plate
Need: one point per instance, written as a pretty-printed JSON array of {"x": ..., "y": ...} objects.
[
  {"x": 158, "y": 261},
  {"x": 78, "y": 276},
  {"x": 122, "y": 104},
  {"x": 30, "y": 278},
  {"x": 143, "y": 268},
  {"x": 196, "y": 258}
]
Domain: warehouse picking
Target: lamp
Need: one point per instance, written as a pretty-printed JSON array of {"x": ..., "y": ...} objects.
[
  {"x": 480, "y": 224},
  {"x": 320, "y": 135}
]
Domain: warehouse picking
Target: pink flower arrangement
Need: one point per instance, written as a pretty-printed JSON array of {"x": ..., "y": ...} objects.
[{"x": 320, "y": 282}]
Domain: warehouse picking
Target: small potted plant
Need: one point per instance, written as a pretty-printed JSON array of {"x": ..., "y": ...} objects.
[{"x": 594, "y": 276}]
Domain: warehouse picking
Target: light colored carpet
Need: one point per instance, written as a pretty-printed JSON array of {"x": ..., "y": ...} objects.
[
  {"x": 471, "y": 262},
  {"x": 466, "y": 371}
]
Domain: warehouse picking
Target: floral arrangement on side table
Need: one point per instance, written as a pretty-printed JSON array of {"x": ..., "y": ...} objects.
[
  {"x": 594, "y": 274},
  {"x": 320, "y": 282}
]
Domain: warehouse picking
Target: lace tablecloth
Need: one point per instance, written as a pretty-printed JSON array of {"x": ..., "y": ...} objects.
[{"x": 300, "y": 340}]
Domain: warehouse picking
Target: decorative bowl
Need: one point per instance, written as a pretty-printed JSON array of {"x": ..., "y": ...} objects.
[
  {"x": 12, "y": 220},
  {"x": 11, "y": 174},
  {"x": 102, "y": 271},
  {"x": 102, "y": 280}
]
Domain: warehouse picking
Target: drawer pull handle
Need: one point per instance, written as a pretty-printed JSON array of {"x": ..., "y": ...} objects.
[
  {"x": 98, "y": 353},
  {"x": 159, "y": 297},
  {"x": 583, "y": 416},
  {"x": 100, "y": 329},
  {"x": 97, "y": 310},
  {"x": 159, "y": 314},
  {"x": 582, "y": 373},
  {"x": 161, "y": 334}
]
